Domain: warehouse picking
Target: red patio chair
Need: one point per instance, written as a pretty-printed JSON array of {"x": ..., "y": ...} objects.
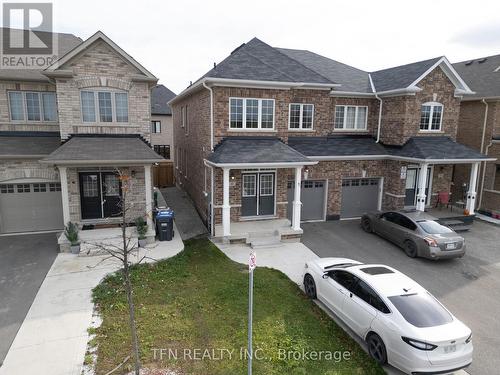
[{"x": 443, "y": 199}]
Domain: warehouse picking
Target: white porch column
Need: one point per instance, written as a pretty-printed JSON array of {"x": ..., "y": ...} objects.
[
  {"x": 471, "y": 194},
  {"x": 63, "y": 174},
  {"x": 149, "y": 197},
  {"x": 296, "y": 199},
  {"x": 226, "y": 208},
  {"x": 422, "y": 183}
]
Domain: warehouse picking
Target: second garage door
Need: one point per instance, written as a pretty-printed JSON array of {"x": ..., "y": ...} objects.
[
  {"x": 27, "y": 207},
  {"x": 312, "y": 196},
  {"x": 359, "y": 195}
]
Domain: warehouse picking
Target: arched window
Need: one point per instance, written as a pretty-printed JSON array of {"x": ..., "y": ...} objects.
[{"x": 431, "y": 116}]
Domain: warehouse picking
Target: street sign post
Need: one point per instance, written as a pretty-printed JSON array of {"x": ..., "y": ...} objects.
[{"x": 252, "y": 263}]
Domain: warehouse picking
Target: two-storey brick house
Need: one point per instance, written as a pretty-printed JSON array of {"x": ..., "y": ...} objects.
[
  {"x": 272, "y": 133},
  {"x": 479, "y": 128},
  {"x": 64, "y": 131}
]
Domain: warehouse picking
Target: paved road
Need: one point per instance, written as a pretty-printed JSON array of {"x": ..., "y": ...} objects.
[
  {"x": 469, "y": 287},
  {"x": 24, "y": 262},
  {"x": 187, "y": 219}
]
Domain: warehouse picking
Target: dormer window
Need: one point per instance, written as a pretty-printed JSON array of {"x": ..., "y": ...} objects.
[
  {"x": 104, "y": 106},
  {"x": 431, "y": 116}
]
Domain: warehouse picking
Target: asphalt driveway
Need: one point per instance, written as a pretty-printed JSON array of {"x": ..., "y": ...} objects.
[
  {"x": 24, "y": 262},
  {"x": 469, "y": 287}
]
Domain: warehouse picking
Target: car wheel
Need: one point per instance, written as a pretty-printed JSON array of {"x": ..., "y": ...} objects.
[
  {"x": 366, "y": 224},
  {"x": 310, "y": 286},
  {"x": 376, "y": 348},
  {"x": 410, "y": 248}
]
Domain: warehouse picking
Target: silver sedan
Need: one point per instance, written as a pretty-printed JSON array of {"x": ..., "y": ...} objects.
[{"x": 416, "y": 232}]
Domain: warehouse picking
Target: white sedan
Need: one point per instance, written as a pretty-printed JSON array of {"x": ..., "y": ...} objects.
[{"x": 401, "y": 322}]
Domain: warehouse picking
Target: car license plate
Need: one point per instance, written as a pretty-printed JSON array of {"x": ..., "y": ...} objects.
[
  {"x": 451, "y": 246},
  {"x": 450, "y": 348}
]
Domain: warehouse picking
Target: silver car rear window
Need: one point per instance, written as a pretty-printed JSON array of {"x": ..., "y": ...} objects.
[
  {"x": 421, "y": 310},
  {"x": 433, "y": 227}
]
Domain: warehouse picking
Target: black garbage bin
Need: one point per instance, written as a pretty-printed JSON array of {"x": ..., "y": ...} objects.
[{"x": 165, "y": 224}]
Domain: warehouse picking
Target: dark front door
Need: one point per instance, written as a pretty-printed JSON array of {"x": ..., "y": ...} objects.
[
  {"x": 257, "y": 194},
  {"x": 111, "y": 190},
  {"x": 412, "y": 186},
  {"x": 99, "y": 195},
  {"x": 90, "y": 195}
]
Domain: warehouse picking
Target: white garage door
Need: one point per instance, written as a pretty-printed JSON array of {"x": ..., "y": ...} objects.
[
  {"x": 359, "y": 195},
  {"x": 26, "y": 207}
]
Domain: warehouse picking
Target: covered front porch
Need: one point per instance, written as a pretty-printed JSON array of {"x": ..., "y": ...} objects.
[{"x": 249, "y": 191}]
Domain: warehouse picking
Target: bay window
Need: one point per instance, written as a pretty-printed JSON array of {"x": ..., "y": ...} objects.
[
  {"x": 32, "y": 106},
  {"x": 349, "y": 117},
  {"x": 104, "y": 106},
  {"x": 249, "y": 113},
  {"x": 301, "y": 116},
  {"x": 431, "y": 116}
]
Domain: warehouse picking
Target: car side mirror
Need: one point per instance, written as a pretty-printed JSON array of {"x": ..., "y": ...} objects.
[{"x": 325, "y": 276}]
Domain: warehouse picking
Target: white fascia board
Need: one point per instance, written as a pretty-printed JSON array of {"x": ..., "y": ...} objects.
[
  {"x": 351, "y": 94},
  {"x": 410, "y": 90},
  {"x": 255, "y": 84},
  {"x": 82, "y": 46},
  {"x": 259, "y": 165},
  {"x": 399, "y": 158},
  {"x": 348, "y": 157},
  {"x": 101, "y": 162},
  {"x": 450, "y": 72}
]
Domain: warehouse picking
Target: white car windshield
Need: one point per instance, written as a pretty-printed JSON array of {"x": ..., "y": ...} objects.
[
  {"x": 433, "y": 227},
  {"x": 421, "y": 310}
]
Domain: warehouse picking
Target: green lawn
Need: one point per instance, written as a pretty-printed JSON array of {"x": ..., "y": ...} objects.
[{"x": 198, "y": 300}]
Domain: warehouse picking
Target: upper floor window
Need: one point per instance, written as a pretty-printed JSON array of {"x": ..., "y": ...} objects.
[
  {"x": 184, "y": 119},
  {"x": 104, "y": 106},
  {"x": 431, "y": 116},
  {"x": 156, "y": 126},
  {"x": 350, "y": 117},
  {"x": 301, "y": 116},
  {"x": 163, "y": 150},
  {"x": 251, "y": 113},
  {"x": 32, "y": 106}
]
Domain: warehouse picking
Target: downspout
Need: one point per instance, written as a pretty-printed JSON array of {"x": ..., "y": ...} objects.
[
  {"x": 211, "y": 115},
  {"x": 379, "y": 110},
  {"x": 212, "y": 229},
  {"x": 485, "y": 152}
]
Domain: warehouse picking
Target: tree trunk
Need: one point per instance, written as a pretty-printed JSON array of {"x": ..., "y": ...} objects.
[{"x": 133, "y": 330}]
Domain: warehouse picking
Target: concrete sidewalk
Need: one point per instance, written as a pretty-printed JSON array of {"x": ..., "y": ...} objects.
[{"x": 53, "y": 337}]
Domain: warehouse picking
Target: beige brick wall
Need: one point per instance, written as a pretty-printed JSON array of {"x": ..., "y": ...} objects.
[
  {"x": 166, "y": 137},
  {"x": 101, "y": 67},
  {"x": 26, "y": 169}
]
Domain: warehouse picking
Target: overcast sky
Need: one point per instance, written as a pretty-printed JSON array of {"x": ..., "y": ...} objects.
[{"x": 180, "y": 40}]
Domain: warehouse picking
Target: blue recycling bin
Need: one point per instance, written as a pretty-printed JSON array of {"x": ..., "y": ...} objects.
[{"x": 164, "y": 222}]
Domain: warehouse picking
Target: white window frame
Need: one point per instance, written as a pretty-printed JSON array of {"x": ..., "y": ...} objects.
[
  {"x": 344, "y": 129},
  {"x": 301, "y": 118},
  {"x": 113, "y": 107},
  {"x": 243, "y": 192},
  {"x": 429, "y": 123},
  {"x": 183, "y": 117},
  {"x": 154, "y": 128},
  {"x": 40, "y": 105},
  {"x": 259, "y": 127}
]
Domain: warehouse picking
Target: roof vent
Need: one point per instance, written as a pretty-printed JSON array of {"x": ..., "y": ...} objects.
[
  {"x": 469, "y": 62},
  {"x": 480, "y": 61},
  {"x": 237, "y": 48}
]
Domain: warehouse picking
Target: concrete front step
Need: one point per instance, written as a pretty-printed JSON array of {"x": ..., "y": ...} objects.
[{"x": 266, "y": 243}]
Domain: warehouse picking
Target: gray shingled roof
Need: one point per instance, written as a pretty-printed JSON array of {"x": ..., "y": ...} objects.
[
  {"x": 480, "y": 76},
  {"x": 257, "y": 60},
  {"x": 83, "y": 148},
  {"x": 243, "y": 150},
  {"x": 65, "y": 43},
  {"x": 160, "y": 96},
  {"x": 20, "y": 144},
  {"x": 342, "y": 145},
  {"x": 352, "y": 79},
  {"x": 400, "y": 76},
  {"x": 434, "y": 148}
]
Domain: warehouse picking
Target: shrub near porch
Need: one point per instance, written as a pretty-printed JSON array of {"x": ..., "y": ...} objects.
[{"x": 199, "y": 300}]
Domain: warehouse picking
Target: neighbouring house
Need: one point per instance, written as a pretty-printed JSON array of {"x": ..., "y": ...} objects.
[
  {"x": 479, "y": 128},
  {"x": 273, "y": 134},
  {"x": 162, "y": 130},
  {"x": 64, "y": 131}
]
